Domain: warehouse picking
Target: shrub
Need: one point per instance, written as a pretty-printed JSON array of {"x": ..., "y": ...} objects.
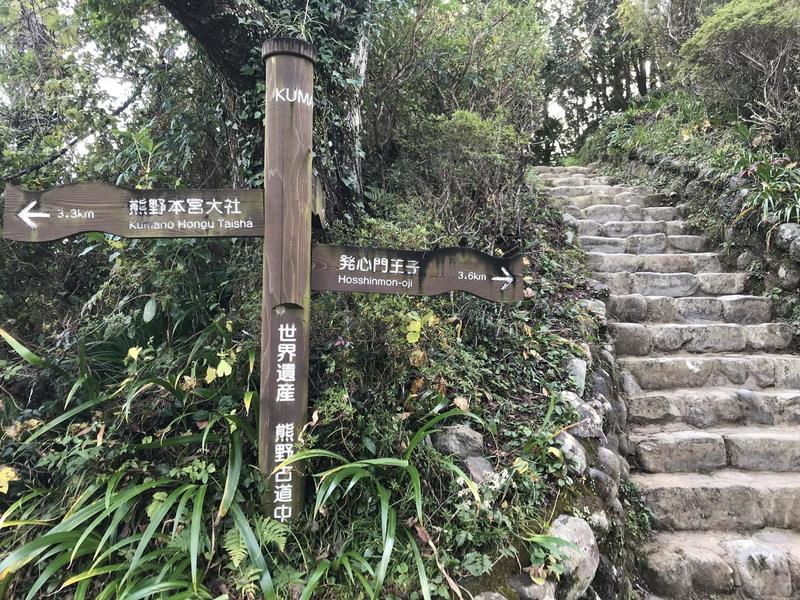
[{"x": 747, "y": 55}]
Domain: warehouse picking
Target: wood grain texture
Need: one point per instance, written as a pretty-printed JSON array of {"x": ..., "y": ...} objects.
[
  {"x": 86, "y": 207},
  {"x": 287, "y": 256},
  {"x": 426, "y": 273}
]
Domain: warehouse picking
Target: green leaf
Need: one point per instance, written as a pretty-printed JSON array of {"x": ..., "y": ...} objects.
[
  {"x": 55, "y": 566},
  {"x": 65, "y": 417},
  {"x": 150, "y": 531},
  {"x": 464, "y": 477},
  {"x": 150, "y": 310},
  {"x": 156, "y": 588},
  {"x": 194, "y": 532},
  {"x": 224, "y": 368},
  {"x": 426, "y": 428},
  {"x": 388, "y": 546},
  {"x": 93, "y": 572},
  {"x": 18, "y": 504},
  {"x": 383, "y": 495},
  {"x": 416, "y": 484},
  {"x": 27, "y": 355},
  {"x": 232, "y": 477},
  {"x": 254, "y": 550},
  {"x": 314, "y": 579},
  {"x": 424, "y": 586},
  {"x": 306, "y": 454},
  {"x": 179, "y": 512},
  {"x": 29, "y": 551},
  {"x": 111, "y": 530},
  {"x": 74, "y": 390}
]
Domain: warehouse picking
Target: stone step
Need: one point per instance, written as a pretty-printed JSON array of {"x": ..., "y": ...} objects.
[
  {"x": 557, "y": 180},
  {"x": 760, "y": 565},
  {"x": 638, "y": 308},
  {"x": 715, "y": 407},
  {"x": 751, "y": 371},
  {"x": 705, "y": 262},
  {"x": 722, "y": 499},
  {"x": 607, "y": 213},
  {"x": 615, "y": 196},
  {"x": 628, "y": 228},
  {"x": 656, "y": 243},
  {"x": 673, "y": 285},
  {"x": 672, "y": 449},
  {"x": 636, "y": 339},
  {"x": 549, "y": 170},
  {"x": 688, "y": 450},
  {"x": 597, "y": 189}
]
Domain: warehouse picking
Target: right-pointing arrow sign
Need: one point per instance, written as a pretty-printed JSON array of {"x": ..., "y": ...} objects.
[
  {"x": 27, "y": 215},
  {"x": 507, "y": 279},
  {"x": 419, "y": 273}
]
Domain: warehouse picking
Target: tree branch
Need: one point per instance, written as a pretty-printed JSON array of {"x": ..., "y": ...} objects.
[{"x": 71, "y": 143}]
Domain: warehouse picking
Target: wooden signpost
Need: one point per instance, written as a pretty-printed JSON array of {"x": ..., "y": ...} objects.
[
  {"x": 292, "y": 265},
  {"x": 84, "y": 207},
  {"x": 385, "y": 271}
]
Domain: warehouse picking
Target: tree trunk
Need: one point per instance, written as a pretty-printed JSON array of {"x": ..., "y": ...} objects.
[
  {"x": 641, "y": 74},
  {"x": 228, "y": 31},
  {"x": 359, "y": 62}
]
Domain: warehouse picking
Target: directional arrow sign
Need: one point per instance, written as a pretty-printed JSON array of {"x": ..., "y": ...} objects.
[
  {"x": 83, "y": 207},
  {"x": 27, "y": 215},
  {"x": 507, "y": 279},
  {"x": 385, "y": 271}
]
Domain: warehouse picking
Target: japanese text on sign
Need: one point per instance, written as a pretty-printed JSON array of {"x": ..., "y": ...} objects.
[
  {"x": 282, "y": 492},
  {"x": 153, "y": 207},
  {"x": 284, "y": 432},
  {"x": 382, "y": 265}
]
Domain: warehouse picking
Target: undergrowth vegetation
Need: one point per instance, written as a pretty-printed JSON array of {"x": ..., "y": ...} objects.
[{"x": 129, "y": 430}]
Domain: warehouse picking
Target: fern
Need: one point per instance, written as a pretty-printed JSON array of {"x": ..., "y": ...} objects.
[
  {"x": 271, "y": 532},
  {"x": 246, "y": 583},
  {"x": 234, "y": 546}
]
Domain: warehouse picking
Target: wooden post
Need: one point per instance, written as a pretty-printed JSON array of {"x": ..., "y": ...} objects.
[{"x": 289, "y": 66}]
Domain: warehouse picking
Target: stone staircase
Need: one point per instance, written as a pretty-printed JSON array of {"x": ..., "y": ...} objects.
[{"x": 713, "y": 396}]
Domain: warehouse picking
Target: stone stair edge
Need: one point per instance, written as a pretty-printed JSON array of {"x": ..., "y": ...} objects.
[{"x": 724, "y": 564}]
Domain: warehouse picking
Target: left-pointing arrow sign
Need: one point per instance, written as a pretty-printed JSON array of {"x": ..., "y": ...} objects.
[{"x": 27, "y": 215}]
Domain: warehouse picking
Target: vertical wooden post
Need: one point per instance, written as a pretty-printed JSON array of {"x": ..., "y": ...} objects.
[{"x": 289, "y": 66}]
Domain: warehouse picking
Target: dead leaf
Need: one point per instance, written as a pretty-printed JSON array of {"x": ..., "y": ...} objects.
[
  {"x": 461, "y": 403},
  {"x": 7, "y": 475},
  {"x": 423, "y": 534},
  {"x": 418, "y": 358},
  {"x": 450, "y": 583},
  {"x": 189, "y": 383}
]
